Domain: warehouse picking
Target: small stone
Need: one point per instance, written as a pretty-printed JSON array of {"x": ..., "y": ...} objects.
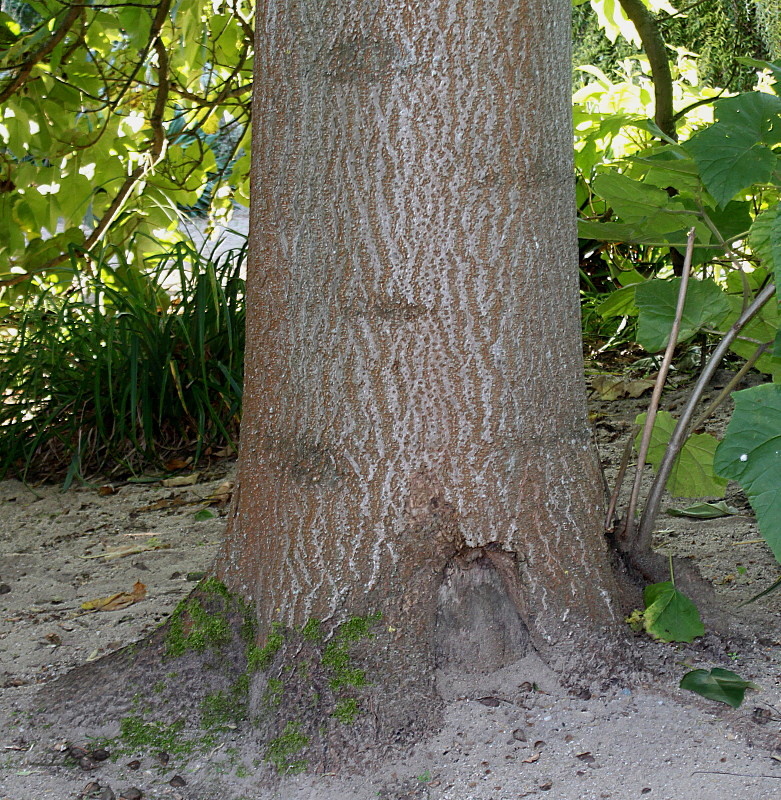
[
  {"x": 4, "y": 588},
  {"x": 645, "y": 790},
  {"x": 86, "y": 763},
  {"x": 177, "y": 781},
  {"x": 135, "y": 764},
  {"x": 491, "y": 702},
  {"x": 546, "y": 787},
  {"x": 131, "y": 794},
  {"x": 519, "y": 735},
  {"x": 90, "y": 790},
  {"x": 196, "y": 576},
  {"x": 107, "y": 794},
  {"x": 99, "y": 754},
  {"x": 163, "y": 757}
]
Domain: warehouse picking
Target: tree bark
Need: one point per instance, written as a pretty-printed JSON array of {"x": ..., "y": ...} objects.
[{"x": 414, "y": 439}]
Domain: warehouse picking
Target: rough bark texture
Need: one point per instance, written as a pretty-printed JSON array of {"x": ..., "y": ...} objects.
[{"x": 414, "y": 407}]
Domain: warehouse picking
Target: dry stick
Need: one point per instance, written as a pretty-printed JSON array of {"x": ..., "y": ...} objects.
[
  {"x": 645, "y": 442},
  {"x": 727, "y": 390},
  {"x": 645, "y": 530}
]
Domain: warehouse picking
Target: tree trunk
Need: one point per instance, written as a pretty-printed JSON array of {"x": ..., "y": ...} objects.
[{"x": 414, "y": 441}]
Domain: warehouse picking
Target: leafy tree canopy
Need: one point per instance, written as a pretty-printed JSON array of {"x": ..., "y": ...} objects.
[{"x": 115, "y": 119}]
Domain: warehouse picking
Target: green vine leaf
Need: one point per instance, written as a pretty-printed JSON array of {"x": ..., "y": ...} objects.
[
  {"x": 669, "y": 614},
  {"x": 706, "y": 305},
  {"x": 735, "y": 152},
  {"x": 717, "y": 684},
  {"x": 693, "y": 473},
  {"x": 751, "y": 455}
]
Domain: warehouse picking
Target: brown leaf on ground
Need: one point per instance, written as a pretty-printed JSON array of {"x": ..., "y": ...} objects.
[
  {"x": 222, "y": 494},
  {"x": 612, "y": 387},
  {"x": 182, "y": 480},
  {"x": 116, "y": 601},
  {"x": 177, "y": 463},
  {"x": 166, "y": 502}
]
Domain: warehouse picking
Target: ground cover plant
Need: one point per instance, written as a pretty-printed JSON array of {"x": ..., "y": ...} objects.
[{"x": 123, "y": 368}]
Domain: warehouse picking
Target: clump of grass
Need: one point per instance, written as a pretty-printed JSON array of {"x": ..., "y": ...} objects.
[{"x": 115, "y": 372}]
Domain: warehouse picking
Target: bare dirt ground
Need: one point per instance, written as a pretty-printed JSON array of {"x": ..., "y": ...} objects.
[{"x": 507, "y": 735}]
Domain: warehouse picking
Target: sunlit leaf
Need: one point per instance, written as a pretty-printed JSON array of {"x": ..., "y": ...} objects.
[{"x": 735, "y": 152}]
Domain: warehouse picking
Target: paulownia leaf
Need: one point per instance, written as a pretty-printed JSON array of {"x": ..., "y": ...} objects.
[
  {"x": 763, "y": 328},
  {"x": 765, "y": 240},
  {"x": 706, "y": 305},
  {"x": 734, "y": 152},
  {"x": 751, "y": 455},
  {"x": 717, "y": 684},
  {"x": 692, "y": 474},
  {"x": 669, "y": 615},
  {"x": 704, "y": 511}
]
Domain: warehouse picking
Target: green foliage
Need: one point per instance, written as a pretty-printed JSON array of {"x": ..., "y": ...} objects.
[
  {"x": 704, "y": 511},
  {"x": 751, "y": 455},
  {"x": 117, "y": 119},
  {"x": 113, "y": 370},
  {"x": 669, "y": 615},
  {"x": 737, "y": 151},
  {"x": 706, "y": 306},
  {"x": 717, "y": 684},
  {"x": 693, "y": 473}
]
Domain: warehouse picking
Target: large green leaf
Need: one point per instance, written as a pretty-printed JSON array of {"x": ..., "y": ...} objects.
[
  {"x": 735, "y": 152},
  {"x": 619, "y": 303},
  {"x": 717, "y": 684},
  {"x": 669, "y": 615},
  {"x": 765, "y": 240},
  {"x": 692, "y": 474},
  {"x": 706, "y": 305},
  {"x": 763, "y": 328},
  {"x": 751, "y": 455}
]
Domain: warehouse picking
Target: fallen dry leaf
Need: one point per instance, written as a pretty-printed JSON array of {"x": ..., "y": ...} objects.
[
  {"x": 531, "y": 759},
  {"x": 166, "y": 502},
  {"x": 221, "y": 494},
  {"x": 177, "y": 463},
  {"x": 182, "y": 480},
  {"x": 116, "y": 601},
  {"x": 611, "y": 387}
]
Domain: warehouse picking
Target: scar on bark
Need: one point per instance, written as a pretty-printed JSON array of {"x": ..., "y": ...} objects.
[
  {"x": 479, "y": 622},
  {"x": 475, "y": 592}
]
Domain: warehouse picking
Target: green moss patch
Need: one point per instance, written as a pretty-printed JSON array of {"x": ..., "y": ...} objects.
[{"x": 283, "y": 751}]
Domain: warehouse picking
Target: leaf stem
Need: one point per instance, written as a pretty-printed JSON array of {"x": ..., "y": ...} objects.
[
  {"x": 653, "y": 406},
  {"x": 642, "y": 543}
]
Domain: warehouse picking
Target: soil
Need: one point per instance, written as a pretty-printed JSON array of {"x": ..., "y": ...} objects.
[{"x": 514, "y": 733}]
